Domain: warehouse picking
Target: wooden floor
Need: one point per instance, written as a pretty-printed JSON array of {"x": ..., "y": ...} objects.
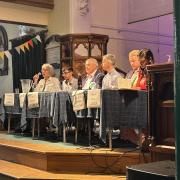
[
  {"x": 16, "y": 171},
  {"x": 33, "y": 160}
]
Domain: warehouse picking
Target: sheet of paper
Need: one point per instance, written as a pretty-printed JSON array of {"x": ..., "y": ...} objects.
[
  {"x": 9, "y": 99},
  {"x": 124, "y": 83},
  {"x": 94, "y": 98}
]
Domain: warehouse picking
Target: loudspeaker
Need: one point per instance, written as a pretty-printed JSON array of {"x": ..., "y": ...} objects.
[{"x": 162, "y": 170}]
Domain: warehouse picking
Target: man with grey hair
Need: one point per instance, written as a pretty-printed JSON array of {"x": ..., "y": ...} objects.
[
  {"x": 94, "y": 76},
  {"x": 110, "y": 79}
]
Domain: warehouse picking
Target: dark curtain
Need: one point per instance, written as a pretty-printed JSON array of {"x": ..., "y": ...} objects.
[{"x": 28, "y": 63}]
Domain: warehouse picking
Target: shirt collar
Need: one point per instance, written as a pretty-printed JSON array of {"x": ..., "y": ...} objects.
[
  {"x": 112, "y": 71},
  {"x": 92, "y": 74}
]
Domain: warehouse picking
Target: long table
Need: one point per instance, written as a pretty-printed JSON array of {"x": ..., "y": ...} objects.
[
  {"x": 119, "y": 108},
  {"x": 122, "y": 108}
]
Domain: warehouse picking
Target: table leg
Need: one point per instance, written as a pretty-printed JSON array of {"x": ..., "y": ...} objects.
[
  {"x": 9, "y": 123},
  {"x": 89, "y": 131},
  {"x": 110, "y": 139},
  {"x": 76, "y": 131},
  {"x": 38, "y": 121},
  {"x": 64, "y": 133},
  {"x": 33, "y": 127}
]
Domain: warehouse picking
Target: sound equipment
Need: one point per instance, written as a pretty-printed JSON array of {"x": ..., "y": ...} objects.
[{"x": 162, "y": 170}]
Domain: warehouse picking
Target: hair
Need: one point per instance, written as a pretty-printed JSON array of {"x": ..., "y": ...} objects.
[
  {"x": 67, "y": 68},
  {"x": 134, "y": 52},
  {"x": 146, "y": 54},
  {"x": 93, "y": 61},
  {"x": 111, "y": 58},
  {"x": 50, "y": 69}
]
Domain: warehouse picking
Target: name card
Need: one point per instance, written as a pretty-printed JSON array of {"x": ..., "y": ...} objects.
[
  {"x": 124, "y": 83},
  {"x": 78, "y": 100},
  {"x": 21, "y": 99},
  {"x": 94, "y": 98},
  {"x": 33, "y": 101},
  {"x": 9, "y": 99}
]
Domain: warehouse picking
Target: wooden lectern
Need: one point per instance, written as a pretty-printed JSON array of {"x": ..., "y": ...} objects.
[{"x": 161, "y": 110}]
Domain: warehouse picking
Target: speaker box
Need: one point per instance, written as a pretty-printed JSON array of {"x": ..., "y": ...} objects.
[{"x": 162, "y": 170}]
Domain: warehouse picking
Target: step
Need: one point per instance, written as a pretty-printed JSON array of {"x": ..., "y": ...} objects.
[
  {"x": 71, "y": 160},
  {"x": 12, "y": 171}
]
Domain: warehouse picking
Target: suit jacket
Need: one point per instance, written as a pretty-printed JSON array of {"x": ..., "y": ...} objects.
[
  {"x": 129, "y": 74},
  {"x": 98, "y": 77}
]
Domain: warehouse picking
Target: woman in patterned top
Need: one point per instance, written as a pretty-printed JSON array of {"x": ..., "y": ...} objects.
[{"x": 49, "y": 83}]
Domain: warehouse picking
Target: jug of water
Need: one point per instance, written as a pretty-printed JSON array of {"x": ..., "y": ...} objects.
[{"x": 26, "y": 85}]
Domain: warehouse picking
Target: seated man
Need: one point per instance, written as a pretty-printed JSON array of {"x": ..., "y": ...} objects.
[
  {"x": 94, "y": 76},
  {"x": 134, "y": 62},
  {"x": 130, "y": 133},
  {"x": 110, "y": 79},
  {"x": 49, "y": 83},
  {"x": 70, "y": 83},
  {"x": 145, "y": 57}
]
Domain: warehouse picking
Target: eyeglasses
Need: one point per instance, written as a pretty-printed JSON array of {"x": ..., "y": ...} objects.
[{"x": 66, "y": 72}]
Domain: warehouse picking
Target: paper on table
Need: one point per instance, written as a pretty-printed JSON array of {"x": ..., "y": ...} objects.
[
  {"x": 33, "y": 101},
  {"x": 9, "y": 99},
  {"x": 94, "y": 98},
  {"x": 78, "y": 100},
  {"x": 21, "y": 99},
  {"x": 124, "y": 83}
]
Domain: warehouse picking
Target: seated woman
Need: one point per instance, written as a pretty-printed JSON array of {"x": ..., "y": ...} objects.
[
  {"x": 49, "y": 83},
  {"x": 145, "y": 58}
]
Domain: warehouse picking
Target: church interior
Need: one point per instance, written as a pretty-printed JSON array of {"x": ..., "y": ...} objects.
[{"x": 73, "y": 104}]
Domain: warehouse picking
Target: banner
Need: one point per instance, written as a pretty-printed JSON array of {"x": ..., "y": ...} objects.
[
  {"x": 78, "y": 100},
  {"x": 22, "y": 48},
  {"x": 21, "y": 99},
  {"x": 94, "y": 98},
  {"x": 33, "y": 101},
  {"x": 9, "y": 99}
]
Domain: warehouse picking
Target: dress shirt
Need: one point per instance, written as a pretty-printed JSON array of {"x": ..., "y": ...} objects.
[
  {"x": 89, "y": 80},
  {"x": 70, "y": 85},
  {"x": 110, "y": 80}
]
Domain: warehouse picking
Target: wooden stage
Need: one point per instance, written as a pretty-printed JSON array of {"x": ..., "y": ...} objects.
[{"x": 24, "y": 158}]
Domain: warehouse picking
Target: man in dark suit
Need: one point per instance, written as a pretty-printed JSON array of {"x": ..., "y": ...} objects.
[{"x": 94, "y": 76}]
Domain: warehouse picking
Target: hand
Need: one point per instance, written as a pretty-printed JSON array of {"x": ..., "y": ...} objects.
[{"x": 36, "y": 78}]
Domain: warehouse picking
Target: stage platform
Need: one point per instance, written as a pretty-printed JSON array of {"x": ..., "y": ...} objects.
[{"x": 25, "y": 158}]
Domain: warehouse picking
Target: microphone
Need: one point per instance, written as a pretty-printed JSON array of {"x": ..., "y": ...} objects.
[
  {"x": 37, "y": 77},
  {"x": 39, "y": 73}
]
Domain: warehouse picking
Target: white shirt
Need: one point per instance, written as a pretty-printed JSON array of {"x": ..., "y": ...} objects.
[
  {"x": 110, "y": 80},
  {"x": 70, "y": 85},
  {"x": 89, "y": 79},
  {"x": 52, "y": 84}
]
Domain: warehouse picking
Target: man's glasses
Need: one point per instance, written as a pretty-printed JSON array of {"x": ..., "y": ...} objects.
[{"x": 66, "y": 72}]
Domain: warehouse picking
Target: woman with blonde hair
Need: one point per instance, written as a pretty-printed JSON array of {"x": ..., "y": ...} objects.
[{"x": 49, "y": 83}]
